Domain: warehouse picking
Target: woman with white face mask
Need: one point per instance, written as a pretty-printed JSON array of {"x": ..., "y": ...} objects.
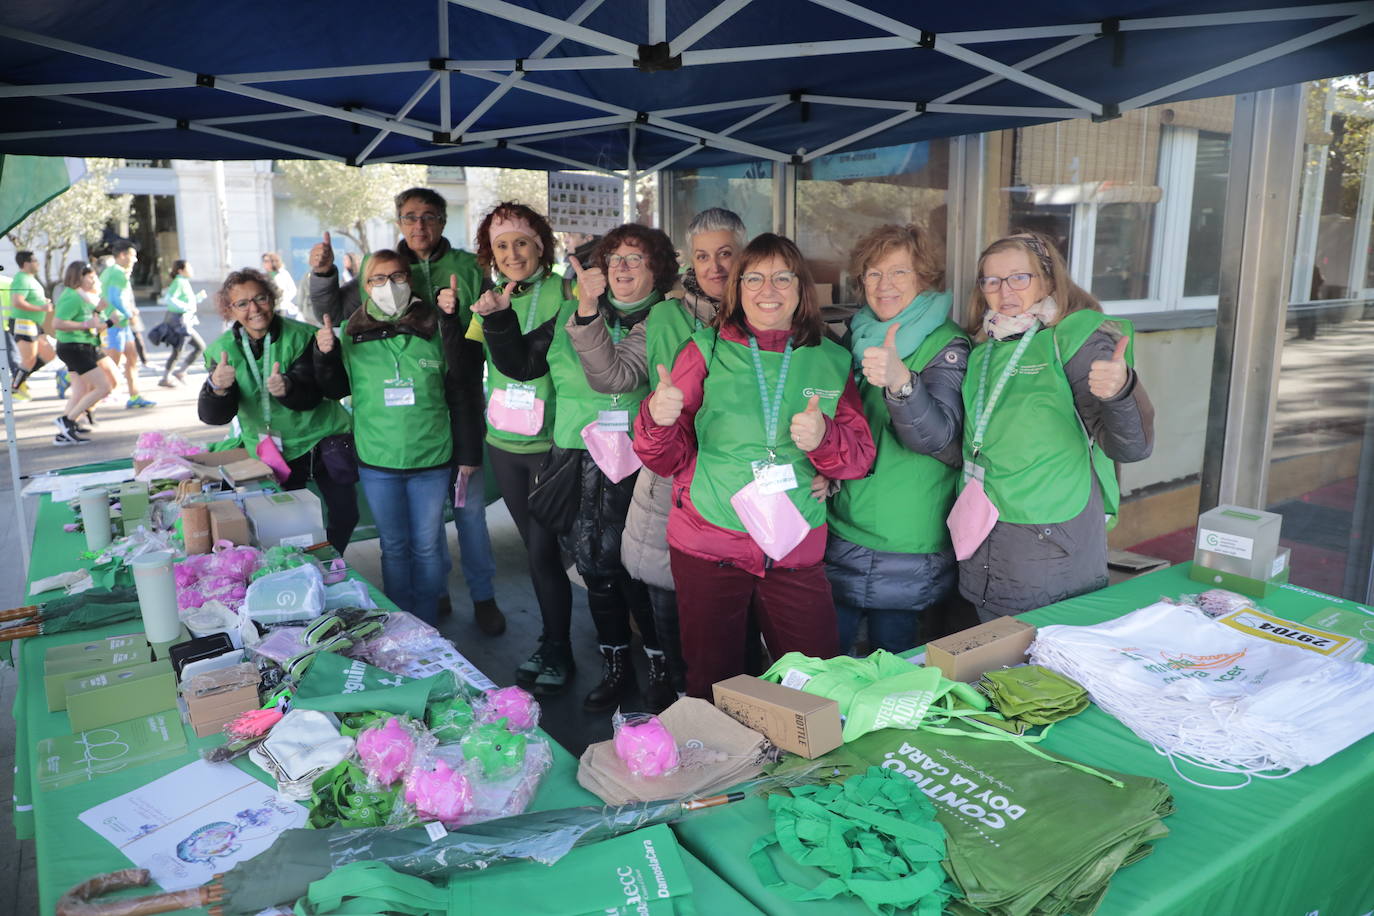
[
  {"x": 400, "y": 359},
  {"x": 1050, "y": 401}
]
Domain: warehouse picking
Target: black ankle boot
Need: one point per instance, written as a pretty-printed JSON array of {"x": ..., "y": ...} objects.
[
  {"x": 617, "y": 677},
  {"x": 660, "y": 693}
]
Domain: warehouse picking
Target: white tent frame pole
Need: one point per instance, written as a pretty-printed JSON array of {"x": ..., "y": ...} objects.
[
  {"x": 12, "y": 440},
  {"x": 705, "y": 25},
  {"x": 320, "y": 73},
  {"x": 743, "y": 54},
  {"x": 564, "y": 160},
  {"x": 545, "y": 47},
  {"x": 445, "y": 87},
  {"x": 715, "y": 139},
  {"x": 545, "y": 23},
  {"x": 435, "y": 153},
  {"x": 658, "y": 21},
  {"x": 550, "y": 92},
  {"x": 1250, "y": 60},
  {"x": 47, "y": 89},
  {"x": 534, "y": 132},
  {"x": 254, "y": 119},
  {"x": 859, "y": 135},
  {"x": 942, "y": 108},
  {"x": 738, "y": 125},
  {"x": 414, "y": 100},
  {"x": 1244, "y": 17},
  {"x": 720, "y": 106},
  {"x": 960, "y": 53},
  {"x": 591, "y": 62}
]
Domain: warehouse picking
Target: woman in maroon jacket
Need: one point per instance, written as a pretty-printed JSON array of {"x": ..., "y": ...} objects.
[{"x": 754, "y": 408}]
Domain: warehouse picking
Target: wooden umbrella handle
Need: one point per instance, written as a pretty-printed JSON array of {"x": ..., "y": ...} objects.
[
  {"x": 19, "y": 613},
  {"x": 23, "y": 632},
  {"x": 80, "y": 900}
]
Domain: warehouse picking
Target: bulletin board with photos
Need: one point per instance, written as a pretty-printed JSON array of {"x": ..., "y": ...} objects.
[{"x": 593, "y": 204}]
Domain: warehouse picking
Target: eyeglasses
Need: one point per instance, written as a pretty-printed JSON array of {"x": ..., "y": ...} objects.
[
  {"x": 428, "y": 219},
  {"x": 895, "y": 277},
  {"x": 781, "y": 280},
  {"x": 379, "y": 280},
  {"x": 242, "y": 304},
  {"x": 632, "y": 261},
  {"x": 1016, "y": 282}
]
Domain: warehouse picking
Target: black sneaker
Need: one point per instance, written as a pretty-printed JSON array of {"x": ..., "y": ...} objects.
[
  {"x": 529, "y": 669},
  {"x": 67, "y": 429},
  {"x": 556, "y": 674}
]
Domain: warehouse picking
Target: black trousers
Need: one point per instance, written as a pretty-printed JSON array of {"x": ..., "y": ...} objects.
[
  {"x": 340, "y": 498},
  {"x": 514, "y": 474}
]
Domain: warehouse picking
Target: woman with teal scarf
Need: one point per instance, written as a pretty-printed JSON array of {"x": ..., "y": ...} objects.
[{"x": 889, "y": 557}]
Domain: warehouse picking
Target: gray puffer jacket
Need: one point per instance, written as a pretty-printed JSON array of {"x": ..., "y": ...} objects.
[
  {"x": 612, "y": 368},
  {"x": 1023, "y": 567}
]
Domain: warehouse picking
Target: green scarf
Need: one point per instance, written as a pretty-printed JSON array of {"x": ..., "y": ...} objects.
[
  {"x": 925, "y": 313},
  {"x": 630, "y": 308}
]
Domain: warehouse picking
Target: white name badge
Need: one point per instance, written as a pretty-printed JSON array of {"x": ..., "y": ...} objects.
[
  {"x": 519, "y": 396},
  {"x": 774, "y": 478},
  {"x": 398, "y": 392},
  {"x": 613, "y": 421}
]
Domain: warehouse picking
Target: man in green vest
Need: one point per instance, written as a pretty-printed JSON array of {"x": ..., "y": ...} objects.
[
  {"x": 12, "y": 363},
  {"x": 449, "y": 278},
  {"x": 28, "y": 307}
]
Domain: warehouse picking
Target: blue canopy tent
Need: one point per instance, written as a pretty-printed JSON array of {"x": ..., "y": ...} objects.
[{"x": 622, "y": 87}]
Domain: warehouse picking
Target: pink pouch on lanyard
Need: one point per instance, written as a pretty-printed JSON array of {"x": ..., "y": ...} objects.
[
  {"x": 613, "y": 452},
  {"x": 772, "y": 519},
  {"x": 971, "y": 519},
  {"x": 271, "y": 456},
  {"x": 523, "y": 421}
]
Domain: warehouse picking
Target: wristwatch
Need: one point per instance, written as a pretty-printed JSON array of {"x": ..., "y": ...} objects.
[{"x": 902, "y": 392}]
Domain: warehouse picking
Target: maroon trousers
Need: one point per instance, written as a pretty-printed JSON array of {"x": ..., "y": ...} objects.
[{"x": 793, "y": 608}]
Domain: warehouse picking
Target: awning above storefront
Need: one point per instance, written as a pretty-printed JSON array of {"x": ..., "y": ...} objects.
[{"x": 611, "y": 86}]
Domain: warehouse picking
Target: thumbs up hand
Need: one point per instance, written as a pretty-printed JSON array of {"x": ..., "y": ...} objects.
[
  {"x": 448, "y": 298},
  {"x": 276, "y": 382},
  {"x": 222, "y": 377},
  {"x": 322, "y": 256},
  {"x": 493, "y": 301},
  {"x": 808, "y": 427},
  {"x": 324, "y": 337},
  {"x": 1106, "y": 377},
  {"x": 665, "y": 404},
  {"x": 883, "y": 367},
  {"x": 591, "y": 285}
]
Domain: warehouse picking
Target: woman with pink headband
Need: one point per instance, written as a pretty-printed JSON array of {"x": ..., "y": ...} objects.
[{"x": 517, "y": 243}]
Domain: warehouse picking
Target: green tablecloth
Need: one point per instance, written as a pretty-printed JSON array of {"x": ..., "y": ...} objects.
[
  {"x": 1288, "y": 847},
  {"x": 68, "y": 852}
]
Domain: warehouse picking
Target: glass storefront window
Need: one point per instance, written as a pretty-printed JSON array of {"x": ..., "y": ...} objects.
[
  {"x": 1202, "y": 272},
  {"x": 746, "y": 189},
  {"x": 842, "y": 196}
]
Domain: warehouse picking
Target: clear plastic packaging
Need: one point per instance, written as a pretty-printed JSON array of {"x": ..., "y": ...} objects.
[
  {"x": 644, "y": 744},
  {"x": 387, "y": 751},
  {"x": 280, "y": 644},
  {"x": 517, "y": 707},
  {"x": 493, "y": 750},
  {"x": 503, "y": 796},
  {"x": 437, "y": 792},
  {"x": 1216, "y": 602},
  {"x": 348, "y": 593},
  {"x": 289, "y": 596}
]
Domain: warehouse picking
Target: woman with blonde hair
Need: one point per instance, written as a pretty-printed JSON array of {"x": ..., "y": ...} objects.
[
  {"x": 1051, "y": 401},
  {"x": 889, "y": 557}
]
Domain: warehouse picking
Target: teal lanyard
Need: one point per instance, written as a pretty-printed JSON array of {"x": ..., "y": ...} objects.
[
  {"x": 983, "y": 412},
  {"x": 617, "y": 331},
  {"x": 772, "y": 410},
  {"x": 260, "y": 374},
  {"x": 534, "y": 304}
]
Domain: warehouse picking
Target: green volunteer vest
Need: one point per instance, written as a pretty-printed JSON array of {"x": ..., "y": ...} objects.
[
  {"x": 299, "y": 429},
  {"x": 428, "y": 277},
  {"x": 400, "y": 437},
  {"x": 71, "y": 307},
  {"x": 730, "y": 429},
  {"x": 549, "y": 304},
  {"x": 1036, "y": 455},
  {"x": 902, "y": 505},
  {"x": 25, "y": 285},
  {"x": 578, "y": 403}
]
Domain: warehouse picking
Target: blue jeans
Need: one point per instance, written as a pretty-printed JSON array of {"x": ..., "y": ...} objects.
[
  {"x": 474, "y": 543},
  {"x": 893, "y": 630},
  {"x": 408, "y": 507}
]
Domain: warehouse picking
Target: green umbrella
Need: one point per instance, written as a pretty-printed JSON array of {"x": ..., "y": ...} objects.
[
  {"x": 96, "y": 607},
  {"x": 283, "y": 872}
]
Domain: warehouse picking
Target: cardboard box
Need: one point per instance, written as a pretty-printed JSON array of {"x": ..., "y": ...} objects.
[
  {"x": 117, "y": 696},
  {"x": 227, "y": 522},
  {"x": 207, "y": 464},
  {"x": 216, "y": 697},
  {"x": 966, "y": 655},
  {"x": 1123, "y": 565},
  {"x": 795, "y": 721},
  {"x": 59, "y": 672},
  {"x": 129, "y": 643},
  {"x": 133, "y": 499}
]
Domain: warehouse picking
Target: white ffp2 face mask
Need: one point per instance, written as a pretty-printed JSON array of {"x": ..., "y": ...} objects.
[{"x": 391, "y": 298}]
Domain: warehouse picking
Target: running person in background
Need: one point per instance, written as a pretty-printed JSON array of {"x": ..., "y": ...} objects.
[
  {"x": 181, "y": 316},
  {"x": 28, "y": 307},
  {"x": 80, "y": 317},
  {"x": 449, "y": 279},
  {"x": 286, "y": 286},
  {"x": 117, "y": 289}
]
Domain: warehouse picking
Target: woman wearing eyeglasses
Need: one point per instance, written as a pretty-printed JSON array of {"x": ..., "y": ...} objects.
[
  {"x": 889, "y": 555},
  {"x": 413, "y": 389},
  {"x": 262, "y": 372},
  {"x": 620, "y": 297},
  {"x": 1050, "y": 401},
  {"x": 753, "y": 408}
]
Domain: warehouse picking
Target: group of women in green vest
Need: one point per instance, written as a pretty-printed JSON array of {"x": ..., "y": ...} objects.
[{"x": 779, "y": 477}]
